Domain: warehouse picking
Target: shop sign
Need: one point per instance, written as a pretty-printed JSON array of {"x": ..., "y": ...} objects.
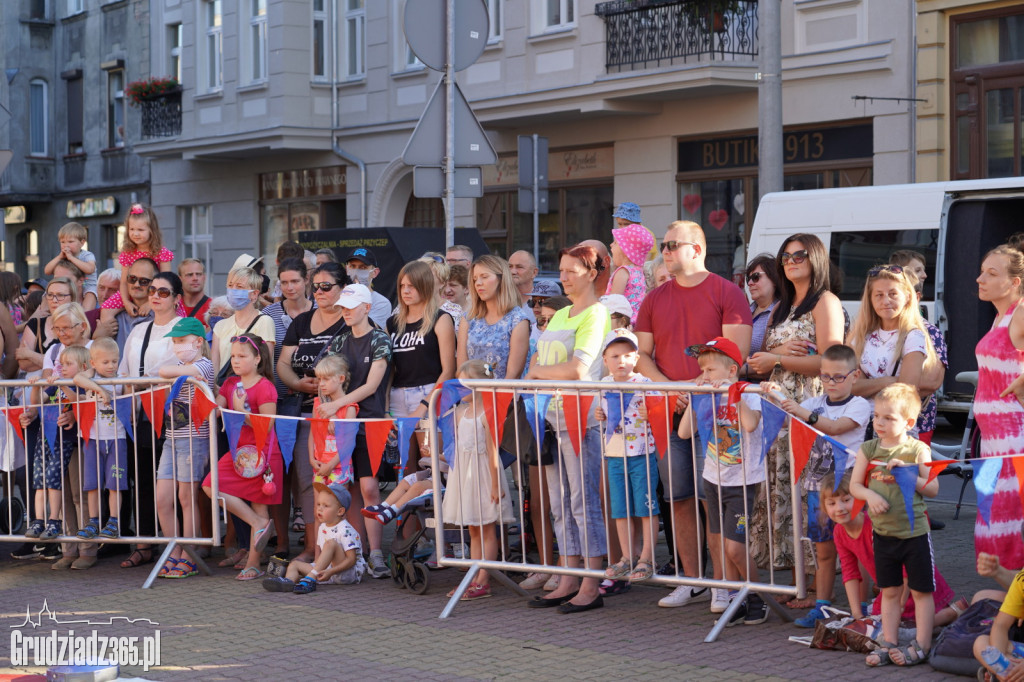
[
  {"x": 89, "y": 208},
  {"x": 301, "y": 184},
  {"x": 798, "y": 146},
  {"x": 15, "y": 215},
  {"x": 563, "y": 166}
]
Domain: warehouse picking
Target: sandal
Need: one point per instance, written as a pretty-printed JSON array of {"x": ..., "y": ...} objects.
[
  {"x": 912, "y": 654},
  {"x": 168, "y": 566},
  {"x": 476, "y": 591},
  {"x": 251, "y": 573},
  {"x": 184, "y": 569},
  {"x": 644, "y": 571},
  {"x": 138, "y": 557},
  {"x": 299, "y": 524},
  {"x": 230, "y": 560},
  {"x": 881, "y": 654},
  {"x": 619, "y": 570}
]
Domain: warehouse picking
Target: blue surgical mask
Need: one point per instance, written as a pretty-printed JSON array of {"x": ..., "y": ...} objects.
[
  {"x": 238, "y": 298},
  {"x": 359, "y": 276}
]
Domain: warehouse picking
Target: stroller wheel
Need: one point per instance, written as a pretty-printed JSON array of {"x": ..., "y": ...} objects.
[
  {"x": 417, "y": 578},
  {"x": 12, "y": 518},
  {"x": 397, "y": 570}
]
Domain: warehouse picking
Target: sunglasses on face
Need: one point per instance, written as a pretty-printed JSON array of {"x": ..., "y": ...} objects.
[
  {"x": 324, "y": 286},
  {"x": 674, "y": 246},
  {"x": 162, "y": 292},
  {"x": 836, "y": 378},
  {"x": 754, "y": 277},
  {"x": 796, "y": 258},
  {"x": 879, "y": 269},
  {"x": 141, "y": 281},
  {"x": 245, "y": 339},
  {"x": 537, "y": 301}
]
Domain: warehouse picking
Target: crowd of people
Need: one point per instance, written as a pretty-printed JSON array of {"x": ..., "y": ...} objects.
[{"x": 320, "y": 343}]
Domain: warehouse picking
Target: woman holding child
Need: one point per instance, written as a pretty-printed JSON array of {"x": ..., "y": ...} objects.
[
  {"x": 808, "y": 317},
  {"x": 999, "y": 401}
]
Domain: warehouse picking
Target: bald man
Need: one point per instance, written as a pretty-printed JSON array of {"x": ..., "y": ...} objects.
[
  {"x": 601, "y": 283},
  {"x": 692, "y": 308},
  {"x": 524, "y": 270}
]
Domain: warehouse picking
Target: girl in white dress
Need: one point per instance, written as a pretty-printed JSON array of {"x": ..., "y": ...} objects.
[{"x": 477, "y": 494}]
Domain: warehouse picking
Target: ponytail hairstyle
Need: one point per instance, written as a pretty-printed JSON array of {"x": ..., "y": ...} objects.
[
  {"x": 1014, "y": 255},
  {"x": 259, "y": 347}
]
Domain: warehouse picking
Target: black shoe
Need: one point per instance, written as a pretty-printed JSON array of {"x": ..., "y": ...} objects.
[
  {"x": 111, "y": 549},
  {"x": 569, "y": 607},
  {"x": 668, "y": 568},
  {"x": 757, "y": 610},
  {"x": 50, "y": 551},
  {"x": 737, "y": 618},
  {"x": 548, "y": 602},
  {"x": 936, "y": 524},
  {"x": 28, "y": 550},
  {"x": 610, "y": 588}
]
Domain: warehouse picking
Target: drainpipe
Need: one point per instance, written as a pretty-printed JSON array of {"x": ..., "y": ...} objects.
[{"x": 345, "y": 156}]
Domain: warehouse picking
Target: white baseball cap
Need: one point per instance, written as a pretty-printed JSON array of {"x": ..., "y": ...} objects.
[
  {"x": 620, "y": 334},
  {"x": 353, "y": 295},
  {"x": 617, "y": 303}
]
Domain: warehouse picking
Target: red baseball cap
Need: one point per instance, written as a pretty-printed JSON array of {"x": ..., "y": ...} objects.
[{"x": 719, "y": 344}]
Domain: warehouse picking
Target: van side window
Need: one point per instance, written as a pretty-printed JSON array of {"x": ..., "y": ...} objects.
[{"x": 856, "y": 252}]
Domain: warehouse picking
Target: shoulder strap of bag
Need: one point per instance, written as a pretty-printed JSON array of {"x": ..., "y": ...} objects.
[
  {"x": 145, "y": 345},
  {"x": 199, "y": 305}
]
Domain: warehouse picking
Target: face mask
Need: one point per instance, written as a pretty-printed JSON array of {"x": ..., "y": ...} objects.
[
  {"x": 238, "y": 298},
  {"x": 214, "y": 319},
  {"x": 359, "y": 276},
  {"x": 186, "y": 352}
]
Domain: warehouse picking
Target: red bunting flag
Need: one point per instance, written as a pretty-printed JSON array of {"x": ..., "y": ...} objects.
[
  {"x": 736, "y": 390},
  {"x": 575, "y": 408},
  {"x": 659, "y": 411},
  {"x": 14, "y": 418},
  {"x": 85, "y": 415},
  {"x": 859, "y": 504},
  {"x": 1018, "y": 467},
  {"x": 201, "y": 408},
  {"x": 801, "y": 438},
  {"x": 376, "y": 438},
  {"x": 261, "y": 425},
  {"x": 153, "y": 402},
  {"x": 936, "y": 468},
  {"x": 496, "y": 410},
  {"x": 319, "y": 428}
]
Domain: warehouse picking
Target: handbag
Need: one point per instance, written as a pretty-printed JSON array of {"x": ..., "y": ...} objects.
[
  {"x": 249, "y": 462},
  {"x": 519, "y": 442}
]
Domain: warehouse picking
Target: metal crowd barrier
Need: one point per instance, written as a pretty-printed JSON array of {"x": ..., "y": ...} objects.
[
  {"x": 16, "y": 464},
  {"x": 493, "y": 394}
]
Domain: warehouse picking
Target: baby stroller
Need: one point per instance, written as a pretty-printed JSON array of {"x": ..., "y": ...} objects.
[{"x": 407, "y": 560}]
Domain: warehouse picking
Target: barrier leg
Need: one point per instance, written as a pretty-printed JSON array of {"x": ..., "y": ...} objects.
[
  {"x": 159, "y": 564},
  {"x": 740, "y": 599},
  {"x": 460, "y": 590},
  {"x": 508, "y": 582},
  {"x": 197, "y": 560},
  {"x": 777, "y": 608}
]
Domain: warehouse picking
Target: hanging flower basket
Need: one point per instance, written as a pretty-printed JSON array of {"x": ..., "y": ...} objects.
[{"x": 144, "y": 90}]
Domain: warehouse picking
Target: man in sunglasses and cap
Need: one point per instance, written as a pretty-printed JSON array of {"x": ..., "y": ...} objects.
[{"x": 694, "y": 306}]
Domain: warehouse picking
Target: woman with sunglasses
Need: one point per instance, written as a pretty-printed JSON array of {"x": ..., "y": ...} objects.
[
  {"x": 304, "y": 344},
  {"x": 763, "y": 284},
  {"x": 808, "y": 317},
  {"x": 244, "y": 287},
  {"x": 147, "y": 349}
]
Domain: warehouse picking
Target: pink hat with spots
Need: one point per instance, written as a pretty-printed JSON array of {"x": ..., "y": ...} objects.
[{"x": 635, "y": 241}]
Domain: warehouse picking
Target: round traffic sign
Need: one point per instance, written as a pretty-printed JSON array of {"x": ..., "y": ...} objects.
[{"x": 425, "y": 26}]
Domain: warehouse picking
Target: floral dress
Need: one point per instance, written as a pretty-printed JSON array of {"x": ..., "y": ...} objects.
[
  {"x": 490, "y": 342},
  {"x": 636, "y": 287},
  {"x": 799, "y": 388}
]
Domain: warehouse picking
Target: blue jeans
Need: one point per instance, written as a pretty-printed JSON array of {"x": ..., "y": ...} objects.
[{"x": 574, "y": 488}]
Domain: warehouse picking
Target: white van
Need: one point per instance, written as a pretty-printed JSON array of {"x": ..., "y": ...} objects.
[{"x": 952, "y": 223}]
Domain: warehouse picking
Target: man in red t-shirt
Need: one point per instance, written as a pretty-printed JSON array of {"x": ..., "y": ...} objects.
[{"x": 694, "y": 307}]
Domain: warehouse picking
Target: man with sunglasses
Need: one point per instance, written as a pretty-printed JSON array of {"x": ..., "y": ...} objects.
[
  {"x": 140, "y": 276},
  {"x": 694, "y": 306}
]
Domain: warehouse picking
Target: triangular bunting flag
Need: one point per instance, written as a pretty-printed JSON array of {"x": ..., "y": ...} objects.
[
  {"x": 659, "y": 416},
  {"x": 124, "y": 409},
  {"x": 85, "y": 415},
  {"x": 345, "y": 439},
  {"x": 773, "y": 418},
  {"x": 801, "y": 438},
  {"x": 495, "y": 411},
  {"x": 986, "y": 473},
  {"x": 736, "y": 390},
  {"x": 451, "y": 393},
  {"x": 153, "y": 404},
  {"x": 233, "y": 422},
  {"x": 536, "y": 405},
  {"x": 447, "y": 426},
  {"x": 576, "y": 408},
  {"x": 318, "y": 427},
  {"x": 906, "y": 479},
  {"x": 840, "y": 456},
  {"x": 936, "y": 468},
  {"x": 285, "y": 429},
  {"x": 406, "y": 428},
  {"x": 14, "y": 419},
  {"x": 376, "y": 438},
  {"x": 172, "y": 394},
  {"x": 615, "y": 404},
  {"x": 261, "y": 425},
  {"x": 201, "y": 408},
  {"x": 49, "y": 415},
  {"x": 704, "y": 412}
]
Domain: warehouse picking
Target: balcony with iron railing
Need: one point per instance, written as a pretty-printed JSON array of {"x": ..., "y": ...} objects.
[
  {"x": 161, "y": 114},
  {"x": 646, "y": 34}
]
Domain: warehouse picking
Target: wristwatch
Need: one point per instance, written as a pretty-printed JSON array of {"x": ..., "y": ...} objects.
[
  {"x": 778, "y": 362},
  {"x": 813, "y": 419}
]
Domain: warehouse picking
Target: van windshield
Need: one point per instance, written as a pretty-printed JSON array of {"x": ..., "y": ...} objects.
[{"x": 857, "y": 252}]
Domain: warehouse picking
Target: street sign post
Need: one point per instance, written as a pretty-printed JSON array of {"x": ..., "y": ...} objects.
[{"x": 533, "y": 182}]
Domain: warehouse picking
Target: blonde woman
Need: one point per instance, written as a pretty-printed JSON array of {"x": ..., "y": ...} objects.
[
  {"x": 497, "y": 329},
  {"x": 244, "y": 285}
]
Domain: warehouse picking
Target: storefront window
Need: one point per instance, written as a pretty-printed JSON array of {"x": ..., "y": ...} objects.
[
  {"x": 719, "y": 207},
  {"x": 298, "y": 201}
]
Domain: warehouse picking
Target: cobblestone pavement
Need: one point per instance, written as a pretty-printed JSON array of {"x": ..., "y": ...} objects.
[{"x": 217, "y": 628}]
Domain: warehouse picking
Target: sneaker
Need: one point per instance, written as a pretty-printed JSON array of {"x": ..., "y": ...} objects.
[
  {"x": 28, "y": 550},
  {"x": 378, "y": 567},
  {"x": 278, "y": 584},
  {"x": 757, "y": 610},
  {"x": 739, "y": 617},
  {"x": 552, "y": 584},
  {"x": 35, "y": 528},
  {"x": 305, "y": 586},
  {"x": 90, "y": 530},
  {"x": 52, "y": 531},
  {"x": 719, "y": 600},
  {"x": 50, "y": 552},
  {"x": 683, "y": 595},
  {"x": 667, "y": 568},
  {"x": 812, "y": 617},
  {"x": 535, "y": 581},
  {"x": 110, "y": 530}
]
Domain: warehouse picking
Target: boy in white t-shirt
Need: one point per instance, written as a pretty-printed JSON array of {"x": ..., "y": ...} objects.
[
  {"x": 731, "y": 474},
  {"x": 845, "y": 417},
  {"x": 339, "y": 553}
]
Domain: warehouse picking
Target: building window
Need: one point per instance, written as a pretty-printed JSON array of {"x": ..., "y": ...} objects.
[
  {"x": 28, "y": 244},
  {"x": 39, "y": 118},
  {"x": 405, "y": 59},
  {"x": 355, "y": 39},
  {"x": 196, "y": 235},
  {"x": 254, "y": 42},
  {"x": 174, "y": 41},
  {"x": 113, "y": 237},
  {"x": 321, "y": 48},
  {"x": 212, "y": 40},
  {"x": 555, "y": 15},
  {"x": 115, "y": 108},
  {"x": 75, "y": 7},
  {"x": 75, "y": 119},
  {"x": 494, "y": 14},
  {"x": 987, "y": 63},
  {"x": 39, "y": 9}
]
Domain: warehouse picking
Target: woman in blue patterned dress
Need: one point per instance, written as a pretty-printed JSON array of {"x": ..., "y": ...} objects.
[{"x": 496, "y": 329}]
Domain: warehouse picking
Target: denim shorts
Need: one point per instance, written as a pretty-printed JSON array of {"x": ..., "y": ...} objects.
[
  {"x": 184, "y": 459},
  {"x": 640, "y": 475},
  {"x": 405, "y": 400}
]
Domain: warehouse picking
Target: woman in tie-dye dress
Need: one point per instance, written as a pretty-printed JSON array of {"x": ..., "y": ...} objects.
[{"x": 999, "y": 402}]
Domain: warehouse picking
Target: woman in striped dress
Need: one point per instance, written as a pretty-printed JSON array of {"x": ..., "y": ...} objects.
[{"x": 999, "y": 402}]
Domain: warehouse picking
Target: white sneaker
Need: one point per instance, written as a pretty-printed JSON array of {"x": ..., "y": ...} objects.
[
  {"x": 534, "y": 581},
  {"x": 719, "y": 600},
  {"x": 552, "y": 584},
  {"x": 683, "y": 595}
]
